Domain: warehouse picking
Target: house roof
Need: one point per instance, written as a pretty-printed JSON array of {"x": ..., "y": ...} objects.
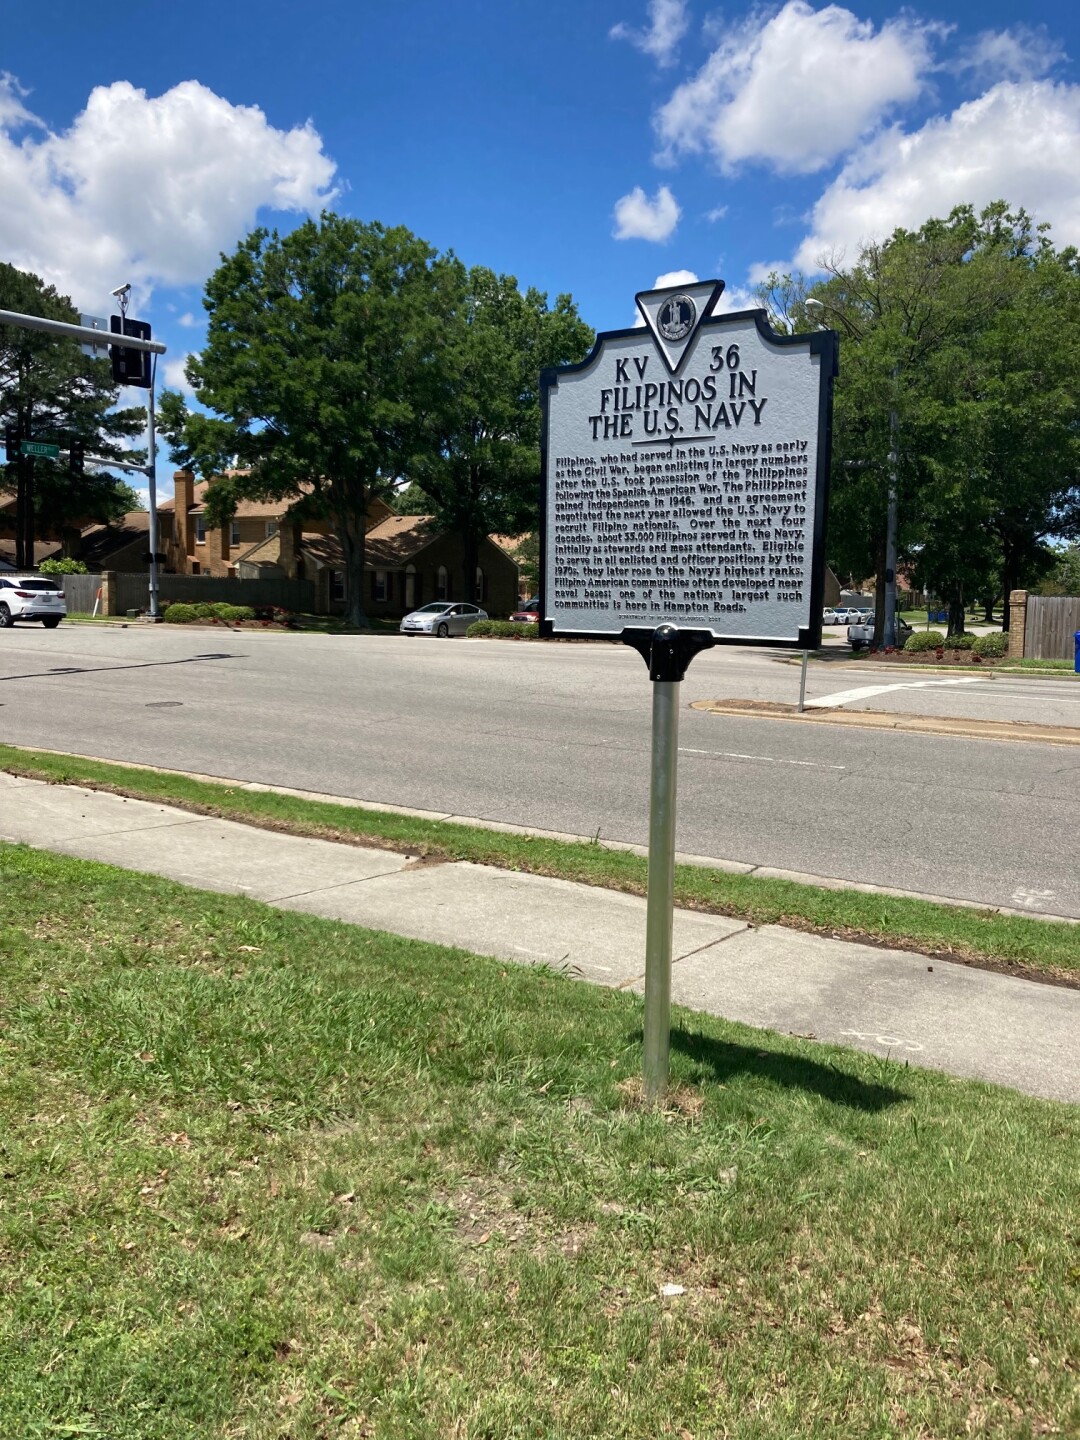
[
  {"x": 388, "y": 545},
  {"x": 509, "y": 543},
  {"x": 43, "y": 550},
  {"x": 395, "y": 540},
  {"x": 245, "y": 509},
  {"x": 101, "y": 541}
]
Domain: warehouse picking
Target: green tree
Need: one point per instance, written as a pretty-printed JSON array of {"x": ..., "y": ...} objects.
[
  {"x": 54, "y": 392},
  {"x": 933, "y": 383},
  {"x": 321, "y": 364},
  {"x": 1016, "y": 397},
  {"x": 1063, "y": 577},
  {"x": 481, "y": 466}
]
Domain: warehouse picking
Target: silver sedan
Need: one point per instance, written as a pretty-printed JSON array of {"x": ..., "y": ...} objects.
[{"x": 441, "y": 618}]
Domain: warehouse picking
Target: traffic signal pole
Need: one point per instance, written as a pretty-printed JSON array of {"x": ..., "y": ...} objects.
[
  {"x": 87, "y": 335},
  {"x": 151, "y": 478}
]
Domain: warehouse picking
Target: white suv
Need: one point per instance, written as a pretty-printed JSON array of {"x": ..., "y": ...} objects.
[{"x": 31, "y": 597}]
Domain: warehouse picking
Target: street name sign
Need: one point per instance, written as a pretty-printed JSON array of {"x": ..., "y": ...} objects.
[
  {"x": 685, "y": 477},
  {"x": 38, "y": 447}
]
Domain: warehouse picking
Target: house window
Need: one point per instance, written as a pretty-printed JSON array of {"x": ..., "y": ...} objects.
[
  {"x": 200, "y": 529},
  {"x": 378, "y": 585},
  {"x": 442, "y": 583},
  {"x": 337, "y": 585},
  {"x": 234, "y": 532},
  {"x": 481, "y": 593},
  {"x": 410, "y": 587},
  {"x": 271, "y": 528}
]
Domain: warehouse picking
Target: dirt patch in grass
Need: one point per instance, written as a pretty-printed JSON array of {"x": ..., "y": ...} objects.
[{"x": 485, "y": 1215}]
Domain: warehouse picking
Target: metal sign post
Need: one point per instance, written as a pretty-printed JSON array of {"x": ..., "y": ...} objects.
[
  {"x": 685, "y": 475},
  {"x": 669, "y": 652},
  {"x": 661, "y": 903}
]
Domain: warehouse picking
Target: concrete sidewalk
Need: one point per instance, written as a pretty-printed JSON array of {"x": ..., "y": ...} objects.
[{"x": 944, "y": 1016}]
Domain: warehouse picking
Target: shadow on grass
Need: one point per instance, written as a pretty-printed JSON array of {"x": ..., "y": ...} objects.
[{"x": 725, "y": 1059}]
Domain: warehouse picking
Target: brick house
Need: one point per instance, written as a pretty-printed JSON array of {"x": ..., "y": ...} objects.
[{"x": 408, "y": 561}]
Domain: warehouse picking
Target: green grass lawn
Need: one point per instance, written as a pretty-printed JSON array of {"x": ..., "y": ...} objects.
[
  {"x": 1012, "y": 942},
  {"x": 265, "y": 1175}
]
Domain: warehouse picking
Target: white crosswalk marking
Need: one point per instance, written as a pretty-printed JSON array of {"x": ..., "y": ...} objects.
[{"x": 867, "y": 692}]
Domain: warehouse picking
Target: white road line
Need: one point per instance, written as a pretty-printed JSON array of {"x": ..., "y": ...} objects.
[
  {"x": 768, "y": 759},
  {"x": 866, "y": 692}
]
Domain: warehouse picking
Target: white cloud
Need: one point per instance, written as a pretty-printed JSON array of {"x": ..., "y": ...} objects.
[
  {"x": 639, "y": 218},
  {"x": 173, "y": 375},
  {"x": 716, "y": 213},
  {"x": 1022, "y": 53},
  {"x": 736, "y": 297},
  {"x": 667, "y": 26},
  {"x": 796, "y": 88},
  {"x": 662, "y": 282},
  {"x": 1017, "y": 142},
  {"x": 146, "y": 189},
  {"x": 188, "y": 320}
]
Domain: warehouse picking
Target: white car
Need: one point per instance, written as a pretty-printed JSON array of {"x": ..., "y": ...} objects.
[
  {"x": 31, "y": 597},
  {"x": 830, "y": 617},
  {"x": 441, "y": 618}
]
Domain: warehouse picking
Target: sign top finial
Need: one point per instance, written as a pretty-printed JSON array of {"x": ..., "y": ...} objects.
[{"x": 674, "y": 314}]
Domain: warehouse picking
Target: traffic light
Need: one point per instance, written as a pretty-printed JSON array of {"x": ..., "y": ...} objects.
[
  {"x": 77, "y": 454},
  {"x": 130, "y": 367},
  {"x": 11, "y": 442}
]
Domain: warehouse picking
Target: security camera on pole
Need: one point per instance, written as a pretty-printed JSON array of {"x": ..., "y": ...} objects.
[{"x": 685, "y": 473}]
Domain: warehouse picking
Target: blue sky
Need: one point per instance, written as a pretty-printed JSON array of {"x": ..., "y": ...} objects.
[{"x": 583, "y": 145}]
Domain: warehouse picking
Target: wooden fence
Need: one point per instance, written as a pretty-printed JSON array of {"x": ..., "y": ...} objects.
[
  {"x": 131, "y": 592},
  {"x": 1052, "y": 621}
]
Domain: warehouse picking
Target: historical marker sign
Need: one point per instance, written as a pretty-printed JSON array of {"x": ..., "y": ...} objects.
[{"x": 685, "y": 477}]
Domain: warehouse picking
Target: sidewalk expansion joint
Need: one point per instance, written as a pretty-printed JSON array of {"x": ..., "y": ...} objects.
[
  {"x": 689, "y": 955},
  {"x": 339, "y": 885}
]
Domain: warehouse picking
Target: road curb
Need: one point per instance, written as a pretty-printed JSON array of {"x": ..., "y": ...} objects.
[
  {"x": 1004, "y": 730},
  {"x": 705, "y": 862}
]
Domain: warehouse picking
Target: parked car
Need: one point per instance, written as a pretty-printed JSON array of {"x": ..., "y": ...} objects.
[
  {"x": 861, "y": 633},
  {"x": 529, "y": 613},
  {"x": 31, "y": 597},
  {"x": 441, "y": 618},
  {"x": 830, "y": 617}
]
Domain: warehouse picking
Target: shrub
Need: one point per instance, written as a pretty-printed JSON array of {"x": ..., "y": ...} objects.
[
  {"x": 233, "y": 612},
  {"x": 62, "y": 567},
  {"x": 203, "y": 611},
  {"x": 992, "y": 646},
  {"x": 504, "y": 629},
  {"x": 924, "y": 640},
  {"x": 960, "y": 642},
  {"x": 178, "y": 614}
]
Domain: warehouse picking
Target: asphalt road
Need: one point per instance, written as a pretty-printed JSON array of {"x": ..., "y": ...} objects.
[{"x": 558, "y": 737}]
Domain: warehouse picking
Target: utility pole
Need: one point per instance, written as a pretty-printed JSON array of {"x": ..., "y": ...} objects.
[{"x": 892, "y": 519}]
